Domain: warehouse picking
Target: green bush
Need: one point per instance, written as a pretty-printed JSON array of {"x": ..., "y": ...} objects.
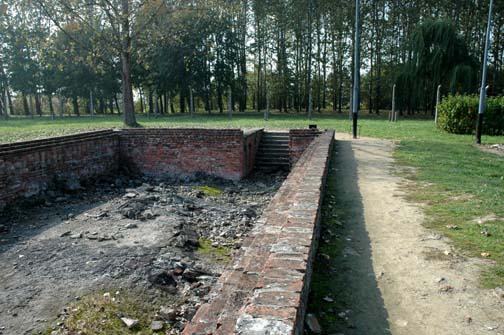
[{"x": 458, "y": 114}]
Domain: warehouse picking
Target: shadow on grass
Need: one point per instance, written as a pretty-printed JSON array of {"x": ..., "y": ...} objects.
[{"x": 344, "y": 294}]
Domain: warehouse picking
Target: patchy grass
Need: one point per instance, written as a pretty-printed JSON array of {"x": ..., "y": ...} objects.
[
  {"x": 325, "y": 280},
  {"x": 21, "y": 129},
  {"x": 209, "y": 191},
  {"x": 100, "y": 313},
  {"x": 220, "y": 253},
  {"x": 460, "y": 184}
]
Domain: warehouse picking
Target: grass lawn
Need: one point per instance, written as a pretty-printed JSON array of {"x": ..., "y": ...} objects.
[{"x": 458, "y": 182}]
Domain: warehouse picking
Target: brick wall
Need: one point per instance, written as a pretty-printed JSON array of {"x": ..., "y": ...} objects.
[
  {"x": 175, "y": 152},
  {"x": 265, "y": 288},
  {"x": 252, "y": 139},
  {"x": 299, "y": 140},
  {"x": 29, "y": 168}
]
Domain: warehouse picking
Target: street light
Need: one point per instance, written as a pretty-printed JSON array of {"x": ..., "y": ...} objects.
[
  {"x": 481, "y": 109},
  {"x": 356, "y": 70}
]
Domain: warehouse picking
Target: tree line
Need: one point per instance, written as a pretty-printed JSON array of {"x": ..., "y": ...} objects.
[{"x": 175, "y": 56}]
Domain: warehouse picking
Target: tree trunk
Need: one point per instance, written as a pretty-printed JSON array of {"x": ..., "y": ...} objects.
[
  {"x": 11, "y": 105},
  {"x": 102, "y": 105},
  {"x": 91, "y": 103},
  {"x": 172, "y": 107},
  {"x": 141, "y": 100},
  {"x": 117, "y": 104},
  {"x": 127, "y": 87},
  {"x": 5, "y": 103},
  {"x": 151, "y": 102},
  {"x": 156, "y": 104},
  {"x": 51, "y": 107},
  {"x": 161, "y": 109},
  {"x": 31, "y": 106},
  {"x": 75, "y": 103},
  {"x": 230, "y": 98},
  {"x": 38, "y": 105},
  {"x": 60, "y": 102},
  {"x": 25, "y": 105},
  {"x": 220, "y": 103},
  {"x": 165, "y": 103},
  {"x": 191, "y": 102}
]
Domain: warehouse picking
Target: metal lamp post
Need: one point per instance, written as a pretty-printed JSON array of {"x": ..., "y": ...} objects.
[
  {"x": 356, "y": 70},
  {"x": 481, "y": 109}
]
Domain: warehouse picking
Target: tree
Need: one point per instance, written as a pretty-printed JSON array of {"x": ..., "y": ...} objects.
[
  {"x": 438, "y": 55},
  {"x": 114, "y": 32}
]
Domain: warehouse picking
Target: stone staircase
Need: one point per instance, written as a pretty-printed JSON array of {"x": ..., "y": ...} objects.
[{"x": 273, "y": 152}]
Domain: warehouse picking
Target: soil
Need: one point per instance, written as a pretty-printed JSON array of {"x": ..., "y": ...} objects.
[
  {"x": 394, "y": 276},
  {"x": 123, "y": 233},
  {"x": 497, "y": 149}
]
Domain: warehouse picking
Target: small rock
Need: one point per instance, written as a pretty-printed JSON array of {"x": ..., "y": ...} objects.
[
  {"x": 130, "y": 323},
  {"x": 313, "y": 324},
  {"x": 130, "y": 195},
  {"x": 157, "y": 325},
  {"x": 131, "y": 226},
  {"x": 452, "y": 226},
  {"x": 104, "y": 238},
  {"x": 468, "y": 319},
  {"x": 485, "y": 254},
  {"x": 326, "y": 257},
  {"x": 76, "y": 236},
  {"x": 499, "y": 292},
  {"x": 67, "y": 233},
  {"x": 168, "y": 314},
  {"x": 446, "y": 288},
  {"x": 328, "y": 299}
]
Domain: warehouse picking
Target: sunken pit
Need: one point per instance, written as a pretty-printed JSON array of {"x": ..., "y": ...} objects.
[{"x": 193, "y": 225}]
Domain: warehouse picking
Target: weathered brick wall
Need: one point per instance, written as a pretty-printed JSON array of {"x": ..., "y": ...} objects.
[
  {"x": 265, "y": 288},
  {"x": 299, "y": 140},
  {"x": 252, "y": 139},
  {"x": 185, "y": 152},
  {"x": 29, "y": 168}
]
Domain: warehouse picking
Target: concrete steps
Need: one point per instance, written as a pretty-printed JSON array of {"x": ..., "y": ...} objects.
[{"x": 273, "y": 151}]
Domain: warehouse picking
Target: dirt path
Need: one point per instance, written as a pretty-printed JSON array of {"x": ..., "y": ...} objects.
[{"x": 396, "y": 275}]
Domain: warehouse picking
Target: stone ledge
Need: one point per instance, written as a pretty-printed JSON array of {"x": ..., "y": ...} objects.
[{"x": 264, "y": 290}]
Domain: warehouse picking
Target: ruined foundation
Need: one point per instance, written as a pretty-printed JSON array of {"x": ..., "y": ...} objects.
[{"x": 132, "y": 208}]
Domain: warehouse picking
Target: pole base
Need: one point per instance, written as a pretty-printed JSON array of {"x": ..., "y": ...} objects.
[
  {"x": 354, "y": 125},
  {"x": 479, "y": 128}
]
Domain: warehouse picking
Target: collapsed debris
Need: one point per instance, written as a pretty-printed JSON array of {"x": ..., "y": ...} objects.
[{"x": 167, "y": 239}]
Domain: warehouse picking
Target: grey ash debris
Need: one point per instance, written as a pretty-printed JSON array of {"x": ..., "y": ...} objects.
[{"x": 132, "y": 234}]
